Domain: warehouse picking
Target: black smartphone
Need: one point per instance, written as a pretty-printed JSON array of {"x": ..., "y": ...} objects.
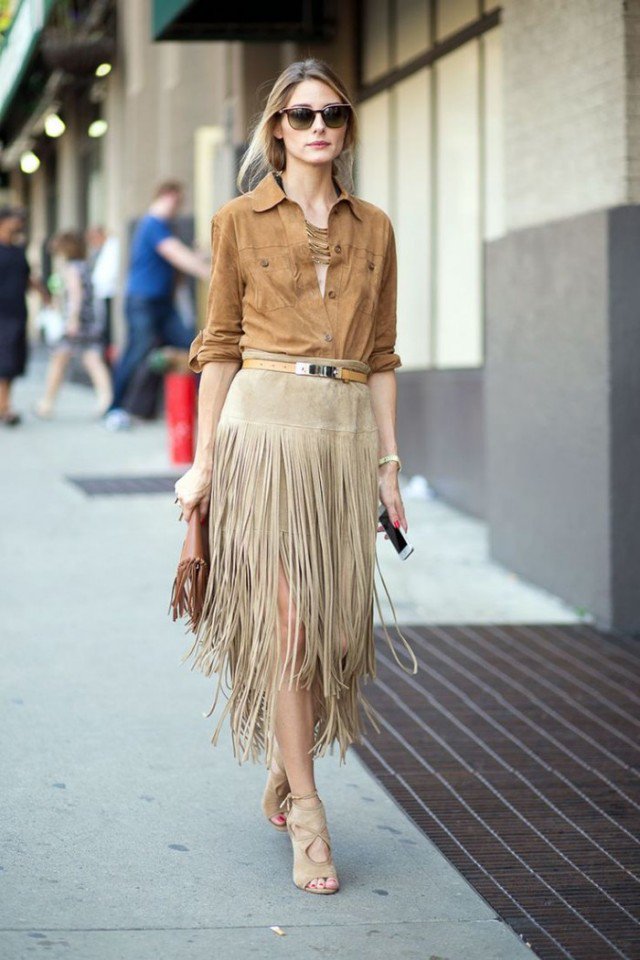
[{"x": 396, "y": 536}]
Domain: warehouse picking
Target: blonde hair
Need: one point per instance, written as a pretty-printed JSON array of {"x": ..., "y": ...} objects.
[{"x": 265, "y": 153}]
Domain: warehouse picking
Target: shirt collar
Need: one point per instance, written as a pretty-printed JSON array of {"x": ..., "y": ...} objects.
[{"x": 267, "y": 193}]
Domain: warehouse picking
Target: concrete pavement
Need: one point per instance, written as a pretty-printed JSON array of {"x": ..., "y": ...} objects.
[{"x": 126, "y": 836}]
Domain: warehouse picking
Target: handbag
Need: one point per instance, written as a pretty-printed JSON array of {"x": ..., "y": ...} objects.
[
  {"x": 51, "y": 324},
  {"x": 190, "y": 582}
]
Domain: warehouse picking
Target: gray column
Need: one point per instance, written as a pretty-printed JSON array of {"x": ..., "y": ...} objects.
[{"x": 68, "y": 174}]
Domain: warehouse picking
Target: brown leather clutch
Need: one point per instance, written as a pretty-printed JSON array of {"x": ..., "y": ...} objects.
[{"x": 190, "y": 583}]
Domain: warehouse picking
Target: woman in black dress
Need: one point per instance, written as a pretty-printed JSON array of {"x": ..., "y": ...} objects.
[
  {"x": 84, "y": 331},
  {"x": 14, "y": 282}
]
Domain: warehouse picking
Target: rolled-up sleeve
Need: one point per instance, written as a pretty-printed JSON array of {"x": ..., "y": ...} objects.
[
  {"x": 219, "y": 340},
  {"x": 383, "y": 356}
]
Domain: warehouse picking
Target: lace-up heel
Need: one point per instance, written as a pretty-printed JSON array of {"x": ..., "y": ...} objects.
[
  {"x": 306, "y": 824},
  {"x": 275, "y": 792}
]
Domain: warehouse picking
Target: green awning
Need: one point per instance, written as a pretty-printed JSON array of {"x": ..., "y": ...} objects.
[
  {"x": 271, "y": 23},
  {"x": 18, "y": 46},
  {"x": 165, "y": 13}
]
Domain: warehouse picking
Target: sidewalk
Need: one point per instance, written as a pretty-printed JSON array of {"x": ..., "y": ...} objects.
[{"x": 126, "y": 835}]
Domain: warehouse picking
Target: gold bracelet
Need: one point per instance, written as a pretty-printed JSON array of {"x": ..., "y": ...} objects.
[{"x": 389, "y": 458}]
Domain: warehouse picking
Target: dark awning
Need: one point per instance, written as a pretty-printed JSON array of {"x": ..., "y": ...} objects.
[{"x": 269, "y": 22}]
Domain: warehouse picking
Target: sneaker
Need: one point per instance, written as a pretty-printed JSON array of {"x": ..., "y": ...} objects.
[{"x": 117, "y": 420}]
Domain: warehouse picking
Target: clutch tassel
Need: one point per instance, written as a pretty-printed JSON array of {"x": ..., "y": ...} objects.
[
  {"x": 190, "y": 582},
  {"x": 187, "y": 595}
]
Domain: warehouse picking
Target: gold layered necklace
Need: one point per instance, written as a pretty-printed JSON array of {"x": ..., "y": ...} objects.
[
  {"x": 318, "y": 242},
  {"x": 318, "y": 237}
]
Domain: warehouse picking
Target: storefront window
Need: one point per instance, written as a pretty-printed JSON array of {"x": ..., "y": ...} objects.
[
  {"x": 374, "y": 157},
  {"x": 413, "y": 29},
  {"x": 493, "y": 135},
  {"x": 375, "y": 39},
  {"x": 457, "y": 197},
  {"x": 411, "y": 177},
  {"x": 452, "y": 15},
  {"x": 431, "y": 155}
]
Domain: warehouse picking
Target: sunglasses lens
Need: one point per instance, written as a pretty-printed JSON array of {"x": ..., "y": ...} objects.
[
  {"x": 335, "y": 116},
  {"x": 300, "y": 118}
]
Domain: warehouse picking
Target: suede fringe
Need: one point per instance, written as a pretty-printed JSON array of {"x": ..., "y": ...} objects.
[{"x": 327, "y": 550}]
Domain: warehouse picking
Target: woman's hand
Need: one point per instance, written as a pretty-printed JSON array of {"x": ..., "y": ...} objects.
[
  {"x": 390, "y": 496},
  {"x": 193, "y": 490}
]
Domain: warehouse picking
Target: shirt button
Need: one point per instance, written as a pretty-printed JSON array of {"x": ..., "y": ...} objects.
[
  {"x": 338, "y": 248},
  {"x": 328, "y": 336},
  {"x": 264, "y": 262},
  {"x": 371, "y": 265},
  {"x": 331, "y": 294}
]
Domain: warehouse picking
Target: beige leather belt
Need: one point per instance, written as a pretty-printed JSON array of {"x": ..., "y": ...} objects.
[{"x": 307, "y": 369}]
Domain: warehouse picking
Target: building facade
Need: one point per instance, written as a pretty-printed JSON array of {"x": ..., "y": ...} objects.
[{"x": 503, "y": 141}]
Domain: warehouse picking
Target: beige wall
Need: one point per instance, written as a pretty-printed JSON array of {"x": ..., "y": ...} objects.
[
  {"x": 161, "y": 97},
  {"x": 166, "y": 91}
]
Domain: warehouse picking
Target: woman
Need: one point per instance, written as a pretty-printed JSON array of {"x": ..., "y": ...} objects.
[
  {"x": 14, "y": 283},
  {"x": 287, "y": 466},
  {"x": 84, "y": 332}
]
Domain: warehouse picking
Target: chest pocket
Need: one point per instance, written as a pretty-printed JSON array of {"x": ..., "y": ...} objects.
[
  {"x": 272, "y": 282},
  {"x": 365, "y": 273}
]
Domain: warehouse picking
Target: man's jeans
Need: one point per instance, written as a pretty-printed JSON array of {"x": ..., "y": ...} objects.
[{"x": 150, "y": 323}]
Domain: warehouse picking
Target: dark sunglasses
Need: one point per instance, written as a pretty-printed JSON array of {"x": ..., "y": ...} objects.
[{"x": 333, "y": 115}]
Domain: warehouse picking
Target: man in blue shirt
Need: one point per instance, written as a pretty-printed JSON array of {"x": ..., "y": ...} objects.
[{"x": 150, "y": 313}]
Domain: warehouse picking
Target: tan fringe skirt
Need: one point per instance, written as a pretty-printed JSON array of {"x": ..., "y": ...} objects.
[{"x": 295, "y": 479}]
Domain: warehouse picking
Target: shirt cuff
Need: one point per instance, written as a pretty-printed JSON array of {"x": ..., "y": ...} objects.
[
  {"x": 384, "y": 361},
  {"x": 202, "y": 352}
]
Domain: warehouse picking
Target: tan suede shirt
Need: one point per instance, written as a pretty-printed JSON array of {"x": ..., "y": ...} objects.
[{"x": 264, "y": 291}]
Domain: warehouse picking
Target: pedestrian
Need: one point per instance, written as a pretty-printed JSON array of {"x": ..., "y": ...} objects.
[
  {"x": 151, "y": 316},
  {"x": 84, "y": 332},
  {"x": 15, "y": 280},
  {"x": 290, "y": 468},
  {"x": 104, "y": 256}
]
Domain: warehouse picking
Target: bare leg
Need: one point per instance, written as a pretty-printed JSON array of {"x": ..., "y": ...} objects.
[
  {"x": 5, "y": 397},
  {"x": 100, "y": 378},
  {"x": 295, "y": 722},
  {"x": 55, "y": 375}
]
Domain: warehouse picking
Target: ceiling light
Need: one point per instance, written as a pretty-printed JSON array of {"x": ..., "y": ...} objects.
[
  {"x": 29, "y": 162},
  {"x": 54, "y": 126},
  {"x": 103, "y": 70},
  {"x": 98, "y": 128}
]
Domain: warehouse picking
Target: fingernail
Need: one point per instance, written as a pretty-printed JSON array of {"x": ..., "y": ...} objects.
[{"x": 396, "y": 524}]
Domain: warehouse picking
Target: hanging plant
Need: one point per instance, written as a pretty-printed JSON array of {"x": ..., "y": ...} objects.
[
  {"x": 65, "y": 45},
  {"x": 7, "y": 13}
]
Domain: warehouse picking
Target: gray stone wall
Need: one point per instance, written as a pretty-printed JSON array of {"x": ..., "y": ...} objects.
[
  {"x": 624, "y": 399},
  {"x": 572, "y": 135},
  {"x": 562, "y": 396},
  {"x": 441, "y": 433}
]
